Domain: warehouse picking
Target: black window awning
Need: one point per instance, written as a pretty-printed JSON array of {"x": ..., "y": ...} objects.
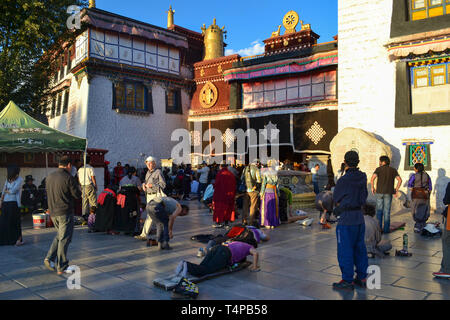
[{"x": 304, "y": 132}]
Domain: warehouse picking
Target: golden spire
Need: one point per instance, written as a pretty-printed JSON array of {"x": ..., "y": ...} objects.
[
  {"x": 213, "y": 40},
  {"x": 170, "y": 17},
  {"x": 91, "y": 3}
]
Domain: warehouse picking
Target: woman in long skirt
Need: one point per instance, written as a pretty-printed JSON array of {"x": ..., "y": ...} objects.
[
  {"x": 270, "y": 217},
  {"x": 420, "y": 182},
  {"x": 10, "y": 223}
]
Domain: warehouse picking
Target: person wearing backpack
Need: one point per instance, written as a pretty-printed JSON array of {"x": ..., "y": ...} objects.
[
  {"x": 420, "y": 183},
  {"x": 247, "y": 234},
  {"x": 445, "y": 263},
  {"x": 219, "y": 257},
  {"x": 252, "y": 178}
]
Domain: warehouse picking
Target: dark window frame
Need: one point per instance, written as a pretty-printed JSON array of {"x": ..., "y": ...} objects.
[
  {"x": 402, "y": 24},
  {"x": 53, "y": 108},
  {"x": 403, "y": 105},
  {"x": 61, "y": 69},
  {"x": 69, "y": 60},
  {"x": 148, "y": 97},
  {"x": 178, "y": 107},
  {"x": 66, "y": 101},
  {"x": 58, "y": 104}
]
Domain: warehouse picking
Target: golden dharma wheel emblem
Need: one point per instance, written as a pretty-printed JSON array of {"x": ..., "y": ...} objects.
[
  {"x": 290, "y": 21},
  {"x": 208, "y": 95}
]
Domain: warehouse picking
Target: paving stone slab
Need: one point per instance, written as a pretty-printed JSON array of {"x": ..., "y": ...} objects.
[
  {"x": 386, "y": 279},
  {"x": 101, "y": 282},
  {"x": 401, "y": 262},
  {"x": 297, "y": 263},
  {"x": 439, "y": 286},
  {"x": 320, "y": 291},
  {"x": 435, "y": 296},
  {"x": 63, "y": 293},
  {"x": 410, "y": 273},
  {"x": 210, "y": 291},
  {"x": 35, "y": 278},
  {"x": 132, "y": 291},
  {"x": 398, "y": 293},
  {"x": 19, "y": 293},
  {"x": 143, "y": 277}
]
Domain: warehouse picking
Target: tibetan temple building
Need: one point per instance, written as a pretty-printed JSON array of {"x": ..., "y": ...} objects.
[
  {"x": 290, "y": 88},
  {"x": 125, "y": 81}
]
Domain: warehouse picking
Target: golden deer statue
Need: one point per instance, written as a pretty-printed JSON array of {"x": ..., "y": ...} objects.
[{"x": 276, "y": 33}]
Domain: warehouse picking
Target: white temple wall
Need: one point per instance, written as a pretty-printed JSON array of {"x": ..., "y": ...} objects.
[
  {"x": 366, "y": 90},
  {"x": 127, "y": 136},
  {"x": 74, "y": 122}
]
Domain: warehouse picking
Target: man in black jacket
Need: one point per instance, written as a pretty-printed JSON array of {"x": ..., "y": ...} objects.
[
  {"x": 62, "y": 189},
  {"x": 350, "y": 194}
]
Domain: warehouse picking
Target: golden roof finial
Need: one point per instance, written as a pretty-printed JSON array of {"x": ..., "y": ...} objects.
[
  {"x": 170, "y": 17},
  {"x": 91, "y": 3},
  {"x": 213, "y": 40}
]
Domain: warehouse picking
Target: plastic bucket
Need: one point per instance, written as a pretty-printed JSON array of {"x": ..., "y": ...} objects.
[{"x": 39, "y": 221}]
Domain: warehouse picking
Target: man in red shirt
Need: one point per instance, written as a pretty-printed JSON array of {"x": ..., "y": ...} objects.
[{"x": 118, "y": 173}]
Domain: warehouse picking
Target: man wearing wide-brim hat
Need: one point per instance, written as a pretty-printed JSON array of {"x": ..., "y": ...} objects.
[
  {"x": 29, "y": 193},
  {"x": 153, "y": 186}
]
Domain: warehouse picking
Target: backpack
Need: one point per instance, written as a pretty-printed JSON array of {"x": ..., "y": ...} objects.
[
  {"x": 246, "y": 236},
  {"x": 235, "y": 231}
]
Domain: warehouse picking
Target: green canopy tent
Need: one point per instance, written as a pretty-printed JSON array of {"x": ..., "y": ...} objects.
[{"x": 19, "y": 132}]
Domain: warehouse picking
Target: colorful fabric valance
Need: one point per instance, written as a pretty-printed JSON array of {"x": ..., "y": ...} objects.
[
  {"x": 419, "y": 47},
  {"x": 283, "y": 67}
]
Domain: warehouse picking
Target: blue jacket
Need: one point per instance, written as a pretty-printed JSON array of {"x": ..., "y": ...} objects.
[{"x": 351, "y": 192}]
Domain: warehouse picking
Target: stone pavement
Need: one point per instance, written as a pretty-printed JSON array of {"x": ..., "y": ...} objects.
[{"x": 297, "y": 263}]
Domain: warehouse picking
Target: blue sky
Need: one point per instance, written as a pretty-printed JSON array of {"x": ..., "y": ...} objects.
[{"x": 247, "y": 22}]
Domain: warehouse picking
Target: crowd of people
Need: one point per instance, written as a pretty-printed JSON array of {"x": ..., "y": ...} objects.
[{"x": 146, "y": 207}]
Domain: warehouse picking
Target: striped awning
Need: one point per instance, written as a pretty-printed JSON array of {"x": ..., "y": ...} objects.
[
  {"x": 419, "y": 47},
  {"x": 290, "y": 66}
]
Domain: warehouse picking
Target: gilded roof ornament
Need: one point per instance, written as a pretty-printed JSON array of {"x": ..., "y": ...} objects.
[
  {"x": 170, "y": 15},
  {"x": 208, "y": 95},
  {"x": 213, "y": 40},
  {"x": 290, "y": 21},
  {"x": 276, "y": 33}
]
